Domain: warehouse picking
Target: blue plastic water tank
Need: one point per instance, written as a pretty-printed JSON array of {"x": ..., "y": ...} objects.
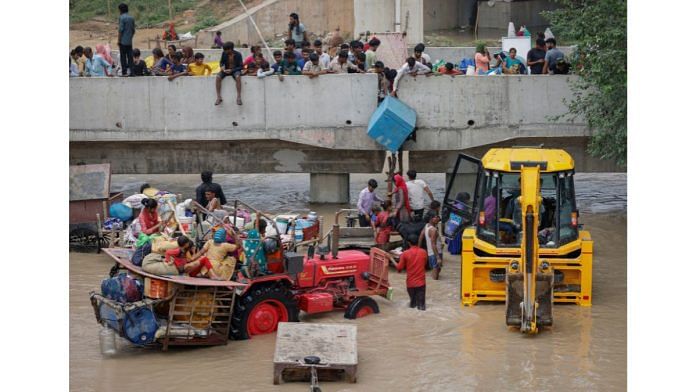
[{"x": 391, "y": 123}]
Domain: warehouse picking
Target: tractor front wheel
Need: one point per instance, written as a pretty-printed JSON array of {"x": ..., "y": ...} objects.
[
  {"x": 361, "y": 307},
  {"x": 260, "y": 310}
]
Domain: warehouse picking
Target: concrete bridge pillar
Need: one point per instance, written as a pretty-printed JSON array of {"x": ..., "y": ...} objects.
[{"x": 329, "y": 188}]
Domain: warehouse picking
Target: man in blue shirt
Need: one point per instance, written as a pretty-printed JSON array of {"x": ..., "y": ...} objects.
[
  {"x": 95, "y": 65},
  {"x": 126, "y": 31}
]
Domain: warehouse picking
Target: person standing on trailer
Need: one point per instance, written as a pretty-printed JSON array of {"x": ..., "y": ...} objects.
[{"x": 366, "y": 200}]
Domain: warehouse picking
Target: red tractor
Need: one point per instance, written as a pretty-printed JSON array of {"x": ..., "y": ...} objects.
[
  {"x": 313, "y": 283},
  {"x": 262, "y": 293}
]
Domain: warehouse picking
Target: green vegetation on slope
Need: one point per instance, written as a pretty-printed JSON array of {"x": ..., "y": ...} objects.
[
  {"x": 598, "y": 28},
  {"x": 146, "y": 12}
]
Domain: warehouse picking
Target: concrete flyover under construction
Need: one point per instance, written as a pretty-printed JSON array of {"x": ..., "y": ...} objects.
[{"x": 318, "y": 126}]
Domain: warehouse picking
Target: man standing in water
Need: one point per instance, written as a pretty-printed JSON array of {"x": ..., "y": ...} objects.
[
  {"x": 126, "y": 31},
  {"x": 434, "y": 243},
  {"x": 209, "y": 185},
  {"x": 414, "y": 260}
]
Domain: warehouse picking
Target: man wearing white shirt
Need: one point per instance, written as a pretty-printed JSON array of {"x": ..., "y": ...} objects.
[
  {"x": 412, "y": 67},
  {"x": 417, "y": 189},
  {"x": 324, "y": 58}
]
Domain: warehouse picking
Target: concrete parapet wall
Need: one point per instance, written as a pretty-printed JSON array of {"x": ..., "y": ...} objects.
[{"x": 331, "y": 111}]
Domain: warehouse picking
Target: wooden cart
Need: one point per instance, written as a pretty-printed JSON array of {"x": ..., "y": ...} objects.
[{"x": 192, "y": 311}]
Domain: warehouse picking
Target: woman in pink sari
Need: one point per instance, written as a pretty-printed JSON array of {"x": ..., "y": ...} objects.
[
  {"x": 105, "y": 52},
  {"x": 402, "y": 209}
]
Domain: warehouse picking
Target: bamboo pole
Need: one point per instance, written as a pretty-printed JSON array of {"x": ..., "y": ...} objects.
[
  {"x": 171, "y": 15},
  {"x": 258, "y": 31}
]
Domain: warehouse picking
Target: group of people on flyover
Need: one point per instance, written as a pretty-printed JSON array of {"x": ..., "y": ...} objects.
[{"x": 299, "y": 57}]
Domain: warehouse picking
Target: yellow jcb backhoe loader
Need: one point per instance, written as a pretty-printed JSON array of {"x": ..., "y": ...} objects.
[{"x": 515, "y": 213}]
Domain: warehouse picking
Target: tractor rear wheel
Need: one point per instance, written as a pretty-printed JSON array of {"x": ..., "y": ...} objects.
[
  {"x": 261, "y": 308},
  {"x": 361, "y": 307}
]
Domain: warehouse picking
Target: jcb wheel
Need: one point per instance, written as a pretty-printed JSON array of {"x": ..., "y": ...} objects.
[
  {"x": 361, "y": 307},
  {"x": 260, "y": 310}
]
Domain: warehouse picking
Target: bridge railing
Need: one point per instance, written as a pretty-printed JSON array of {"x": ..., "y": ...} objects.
[{"x": 330, "y": 111}]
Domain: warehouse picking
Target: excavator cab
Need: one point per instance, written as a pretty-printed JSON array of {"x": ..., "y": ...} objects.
[{"x": 516, "y": 214}]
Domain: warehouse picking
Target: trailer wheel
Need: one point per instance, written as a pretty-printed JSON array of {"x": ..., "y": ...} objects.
[
  {"x": 260, "y": 310},
  {"x": 361, "y": 307},
  {"x": 84, "y": 239}
]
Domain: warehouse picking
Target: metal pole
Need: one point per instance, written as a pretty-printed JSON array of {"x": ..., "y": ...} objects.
[{"x": 258, "y": 31}]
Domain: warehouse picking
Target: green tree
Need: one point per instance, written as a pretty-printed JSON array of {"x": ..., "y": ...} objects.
[{"x": 598, "y": 28}]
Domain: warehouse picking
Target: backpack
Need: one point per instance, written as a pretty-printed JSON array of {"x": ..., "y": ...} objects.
[
  {"x": 140, "y": 253},
  {"x": 122, "y": 288},
  {"x": 562, "y": 67}
]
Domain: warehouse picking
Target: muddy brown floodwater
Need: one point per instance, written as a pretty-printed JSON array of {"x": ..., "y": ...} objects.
[{"x": 446, "y": 348}]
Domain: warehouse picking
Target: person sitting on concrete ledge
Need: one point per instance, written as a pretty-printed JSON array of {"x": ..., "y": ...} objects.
[
  {"x": 448, "y": 69},
  {"x": 198, "y": 67},
  {"x": 411, "y": 67},
  {"x": 230, "y": 65},
  {"x": 313, "y": 67},
  {"x": 178, "y": 69}
]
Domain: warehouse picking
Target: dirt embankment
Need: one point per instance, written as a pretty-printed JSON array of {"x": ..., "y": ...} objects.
[{"x": 101, "y": 31}]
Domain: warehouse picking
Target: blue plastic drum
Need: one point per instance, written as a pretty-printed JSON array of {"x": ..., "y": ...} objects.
[
  {"x": 121, "y": 211},
  {"x": 140, "y": 326}
]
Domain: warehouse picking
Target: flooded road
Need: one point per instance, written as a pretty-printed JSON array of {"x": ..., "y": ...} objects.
[{"x": 446, "y": 348}]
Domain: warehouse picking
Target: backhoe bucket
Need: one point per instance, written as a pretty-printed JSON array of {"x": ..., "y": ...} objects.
[{"x": 515, "y": 295}]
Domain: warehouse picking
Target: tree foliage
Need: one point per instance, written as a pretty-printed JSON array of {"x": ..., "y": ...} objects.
[{"x": 598, "y": 28}]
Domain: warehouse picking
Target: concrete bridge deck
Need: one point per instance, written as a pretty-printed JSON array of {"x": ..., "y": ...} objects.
[{"x": 318, "y": 126}]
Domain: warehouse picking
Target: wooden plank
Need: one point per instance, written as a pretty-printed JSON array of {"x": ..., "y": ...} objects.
[{"x": 335, "y": 344}]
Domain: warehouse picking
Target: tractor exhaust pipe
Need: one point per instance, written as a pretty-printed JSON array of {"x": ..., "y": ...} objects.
[{"x": 335, "y": 232}]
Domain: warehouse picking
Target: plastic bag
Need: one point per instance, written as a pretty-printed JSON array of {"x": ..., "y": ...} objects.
[{"x": 142, "y": 240}]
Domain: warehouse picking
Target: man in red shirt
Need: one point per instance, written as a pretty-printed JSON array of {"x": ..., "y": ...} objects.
[{"x": 414, "y": 260}]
